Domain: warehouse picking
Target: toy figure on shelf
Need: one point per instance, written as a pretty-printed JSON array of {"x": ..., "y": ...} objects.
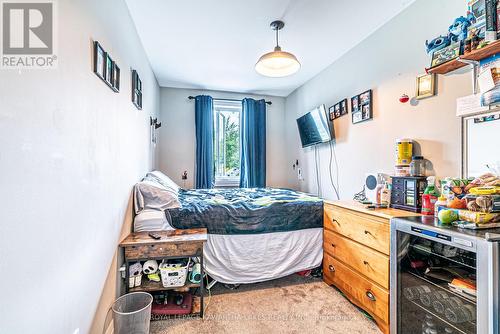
[
  {"x": 472, "y": 19},
  {"x": 458, "y": 30},
  {"x": 436, "y": 44},
  {"x": 150, "y": 268}
]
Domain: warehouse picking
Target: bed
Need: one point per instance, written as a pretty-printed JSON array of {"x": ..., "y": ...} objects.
[{"x": 254, "y": 235}]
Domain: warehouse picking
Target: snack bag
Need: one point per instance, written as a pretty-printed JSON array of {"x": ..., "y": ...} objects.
[{"x": 454, "y": 187}]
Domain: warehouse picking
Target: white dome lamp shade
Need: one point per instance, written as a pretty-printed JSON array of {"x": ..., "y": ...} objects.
[{"x": 278, "y": 63}]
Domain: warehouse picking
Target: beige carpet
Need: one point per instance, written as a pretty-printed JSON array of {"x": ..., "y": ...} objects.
[{"x": 293, "y": 304}]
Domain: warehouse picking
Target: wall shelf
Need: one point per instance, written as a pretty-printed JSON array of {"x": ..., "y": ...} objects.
[{"x": 475, "y": 55}]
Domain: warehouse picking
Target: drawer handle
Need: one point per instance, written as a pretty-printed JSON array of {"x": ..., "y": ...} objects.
[
  {"x": 336, "y": 221},
  {"x": 331, "y": 268},
  {"x": 371, "y": 296},
  {"x": 366, "y": 263},
  {"x": 368, "y": 232},
  {"x": 333, "y": 245}
]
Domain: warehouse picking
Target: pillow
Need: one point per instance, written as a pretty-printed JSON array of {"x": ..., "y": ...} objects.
[
  {"x": 163, "y": 180},
  {"x": 151, "y": 220},
  {"x": 153, "y": 195}
]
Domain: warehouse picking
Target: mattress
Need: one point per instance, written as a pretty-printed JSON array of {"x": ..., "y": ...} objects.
[{"x": 247, "y": 211}]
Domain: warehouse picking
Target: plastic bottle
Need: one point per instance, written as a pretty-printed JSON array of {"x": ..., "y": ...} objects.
[
  {"x": 378, "y": 191},
  {"x": 441, "y": 202},
  {"x": 430, "y": 196},
  {"x": 385, "y": 195}
]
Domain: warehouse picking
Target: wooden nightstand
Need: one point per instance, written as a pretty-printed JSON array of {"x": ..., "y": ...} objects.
[{"x": 174, "y": 244}]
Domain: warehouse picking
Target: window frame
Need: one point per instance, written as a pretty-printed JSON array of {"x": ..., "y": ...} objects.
[{"x": 221, "y": 181}]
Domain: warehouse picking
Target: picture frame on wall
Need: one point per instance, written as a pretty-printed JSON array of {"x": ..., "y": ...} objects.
[
  {"x": 99, "y": 61},
  {"x": 331, "y": 113},
  {"x": 109, "y": 70},
  {"x": 343, "y": 107},
  {"x": 116, "y": 78},
  {"x": 338, "y": 109},
  {"x": 362, "y": 107},
  {"x": 136, "y": 90},
  {"x": 354, "y": 104},
  {"x": 425, "y": 86},
  {"x": 105, "y": 68}
]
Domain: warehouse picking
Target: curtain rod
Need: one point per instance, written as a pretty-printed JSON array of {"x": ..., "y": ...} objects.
[{"x": 192, "y": 98}]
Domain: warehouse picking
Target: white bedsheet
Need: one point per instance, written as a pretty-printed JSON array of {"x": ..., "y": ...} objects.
[{"x": 251, "y": 258}]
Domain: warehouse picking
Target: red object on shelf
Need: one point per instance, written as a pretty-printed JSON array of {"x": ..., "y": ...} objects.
[
  {"x": 173, "y": 309},
  {"x": 404, "y": 98}
]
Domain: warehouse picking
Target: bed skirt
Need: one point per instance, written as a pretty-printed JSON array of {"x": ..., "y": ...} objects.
[{"x": 251, "y": 258}]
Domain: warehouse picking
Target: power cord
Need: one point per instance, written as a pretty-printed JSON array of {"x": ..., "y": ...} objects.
[
  {"x": 336, "y": 188},
  {"x": 316, "y": 168},
  {"x": 360, "y": 196}
]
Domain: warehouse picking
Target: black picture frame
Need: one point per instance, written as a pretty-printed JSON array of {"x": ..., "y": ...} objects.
[
  {"x": 105, "y": 68},
  {"x": 355, "y": 104},
  {"x": 362, "y": 107},
  {"x": 338, "y": 109},
  {"x": 331, "y": 113},
  {"x": 109, "y": 70},
  {"x": 343, "y": 107},
  {"x": 99, "y": 61},
  {"x": 116, "y": 77},
  {"x": 136, "y": 90}
]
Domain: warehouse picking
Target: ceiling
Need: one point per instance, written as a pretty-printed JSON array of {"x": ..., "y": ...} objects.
[{"x": 214, "y": 44}]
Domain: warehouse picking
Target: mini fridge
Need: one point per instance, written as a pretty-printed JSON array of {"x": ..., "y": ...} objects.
[{"x": 443, "y": 279}]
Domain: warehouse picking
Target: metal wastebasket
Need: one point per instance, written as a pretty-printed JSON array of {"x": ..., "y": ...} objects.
[{"x": 132, "y": 313}]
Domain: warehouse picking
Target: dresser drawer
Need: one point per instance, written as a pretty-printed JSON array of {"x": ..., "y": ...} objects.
[
  {"x": 368, "y": 262},
  {"x": 358, "y": 289},
  {"x": 368, "y": 230}
]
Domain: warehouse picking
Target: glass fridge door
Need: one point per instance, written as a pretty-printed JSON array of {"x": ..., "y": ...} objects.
[{"x": 436, "y": 287}]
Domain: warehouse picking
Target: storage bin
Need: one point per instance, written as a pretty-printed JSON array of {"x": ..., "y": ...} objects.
[{"x": 173, "y": 274}]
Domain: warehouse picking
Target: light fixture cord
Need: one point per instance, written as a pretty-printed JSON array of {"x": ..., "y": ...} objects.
[{"x": 277, "y": 32}]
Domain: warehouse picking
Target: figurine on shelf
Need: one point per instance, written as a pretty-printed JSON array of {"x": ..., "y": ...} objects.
[
  {"x": 150, "y": 268},
  {"x": 458, "y": 30},
  {"x": 437, "y": 43}
]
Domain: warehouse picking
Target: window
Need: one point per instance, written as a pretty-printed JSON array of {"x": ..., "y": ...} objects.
[{"x": 227, "y": 143}]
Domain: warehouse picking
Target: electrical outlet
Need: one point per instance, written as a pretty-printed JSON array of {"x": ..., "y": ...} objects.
[{"x": 299, "y": 174}]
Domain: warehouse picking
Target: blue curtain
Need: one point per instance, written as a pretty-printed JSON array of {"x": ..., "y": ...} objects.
[
  {"x": 253, "y": 144},
  {"x": 204, "y": 119}
]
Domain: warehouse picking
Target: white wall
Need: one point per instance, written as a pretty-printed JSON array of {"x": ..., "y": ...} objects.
[
  {"x": 387, "y": 62},
  {"x": 178, "y": 143},
  {"x": 70, "y": 151}
]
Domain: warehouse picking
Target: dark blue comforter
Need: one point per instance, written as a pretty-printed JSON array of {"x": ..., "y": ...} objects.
[{"x": 247, "y": 211}]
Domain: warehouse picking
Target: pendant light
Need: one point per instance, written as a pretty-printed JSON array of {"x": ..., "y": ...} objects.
[{"x": 277, "y": 63}]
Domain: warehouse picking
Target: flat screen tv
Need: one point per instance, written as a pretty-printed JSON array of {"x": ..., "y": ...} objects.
[{"x": 314, "y": 128}]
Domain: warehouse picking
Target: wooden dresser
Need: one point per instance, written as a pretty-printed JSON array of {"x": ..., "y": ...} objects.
[{"x": 356, "y": 246}]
